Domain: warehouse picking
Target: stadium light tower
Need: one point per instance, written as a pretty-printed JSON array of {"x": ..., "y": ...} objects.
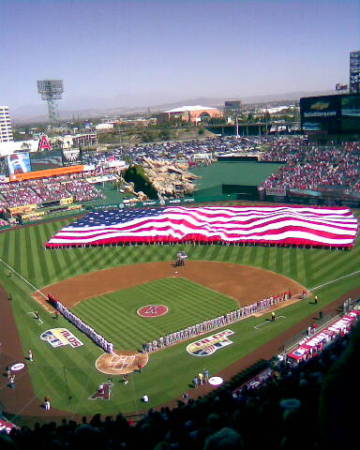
[{"x": 51, "y": 90}]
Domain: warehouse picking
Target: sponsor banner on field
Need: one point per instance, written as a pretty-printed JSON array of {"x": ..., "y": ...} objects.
[
  {"x": 59, "y": 337},
  {"x": 210, "y": 344}
]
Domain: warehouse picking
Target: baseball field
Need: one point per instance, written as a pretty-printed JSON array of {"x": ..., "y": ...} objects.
[{"x": 106, "y": 287}]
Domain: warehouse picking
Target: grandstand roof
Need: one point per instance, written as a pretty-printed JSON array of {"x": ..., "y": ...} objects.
[{"x": 189, "y": 108}]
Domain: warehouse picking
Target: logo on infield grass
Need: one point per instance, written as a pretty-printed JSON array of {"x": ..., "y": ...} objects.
[
  {"x": 121, "y": 362},
  {"x": 207, "y": 346},
  {"x": 58, "y": 337},
  {"x": 152, "y": 311},
  {"x": 103, "y": 392}
]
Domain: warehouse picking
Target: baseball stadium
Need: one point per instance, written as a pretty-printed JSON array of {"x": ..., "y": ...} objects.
[{"x": 153, "y": 326}]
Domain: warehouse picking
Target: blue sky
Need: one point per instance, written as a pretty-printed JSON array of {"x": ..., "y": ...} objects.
[{"x": 149, "y": 52}]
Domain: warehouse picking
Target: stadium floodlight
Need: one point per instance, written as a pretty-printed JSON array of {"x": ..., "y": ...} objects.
[{"x": 51, "y": 90}]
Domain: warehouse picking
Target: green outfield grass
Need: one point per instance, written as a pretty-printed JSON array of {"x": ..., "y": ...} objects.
[
  {"x": 69, "y": 376},
  {"x": 236, "y": 173}
]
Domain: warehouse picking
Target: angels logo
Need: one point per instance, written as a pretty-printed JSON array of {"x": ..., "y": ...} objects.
[
  {"x": 44, "y": 143},
  {"x": 103, "y": 392},
  {"x": 209, "y": 345},
  {"x": 152, "y": 311}
]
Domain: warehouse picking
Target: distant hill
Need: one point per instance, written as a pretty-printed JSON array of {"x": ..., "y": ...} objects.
[{"x": 102, "y": 107}]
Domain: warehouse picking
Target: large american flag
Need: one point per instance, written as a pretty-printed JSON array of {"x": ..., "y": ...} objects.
[{"x": 332, "y": 227}]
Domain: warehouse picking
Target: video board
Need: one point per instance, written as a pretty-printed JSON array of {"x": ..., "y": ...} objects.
[
  {"x": 72, "y": 157},
  {"x": 321, "y": 113},
  {"x": 46, "y": 160},
  {"x": 350, "y": 113},
  {"x": 332, "y": 114},
  {"x": 18, "y": 163}
]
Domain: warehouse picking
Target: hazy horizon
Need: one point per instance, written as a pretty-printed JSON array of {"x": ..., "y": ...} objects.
[{"x": 124, "y": 53}]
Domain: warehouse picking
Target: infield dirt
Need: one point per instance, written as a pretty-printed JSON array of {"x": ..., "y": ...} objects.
[
  {"x": 24, "y": 403},
  {"x": 245, "y": 284}
]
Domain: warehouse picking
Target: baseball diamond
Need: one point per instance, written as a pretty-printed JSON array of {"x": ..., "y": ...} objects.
[{"x": 107, "y": 286}]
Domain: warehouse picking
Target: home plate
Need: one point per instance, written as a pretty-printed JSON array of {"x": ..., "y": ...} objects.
[{"x": 268, "y": 322}]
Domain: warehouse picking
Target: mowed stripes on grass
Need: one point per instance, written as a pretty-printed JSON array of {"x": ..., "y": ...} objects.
[
  {"x": 115, "y": 315},
  {"x": 59, "y": 373},
  {"x": 23, "y": 249}
]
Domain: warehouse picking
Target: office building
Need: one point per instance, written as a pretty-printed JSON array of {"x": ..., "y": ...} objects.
[
  {"x": 6, "y": 134},
  {"x": 354, "y": 82}
]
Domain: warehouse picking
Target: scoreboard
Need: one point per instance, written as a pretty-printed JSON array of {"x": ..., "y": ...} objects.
[{"x": 330, "y": 114}]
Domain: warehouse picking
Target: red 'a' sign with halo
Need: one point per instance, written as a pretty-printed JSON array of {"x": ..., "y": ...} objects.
[{"x": 44, "y": 143}]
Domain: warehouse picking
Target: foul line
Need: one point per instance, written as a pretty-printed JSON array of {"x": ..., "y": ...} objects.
[
  {"x": 22, "y": 278},
  {"x": 334, "y": 281},
  {"x": 268, "y": 322}
]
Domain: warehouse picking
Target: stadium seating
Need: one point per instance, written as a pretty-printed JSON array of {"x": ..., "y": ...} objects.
[{"x": 294, "y": 408}]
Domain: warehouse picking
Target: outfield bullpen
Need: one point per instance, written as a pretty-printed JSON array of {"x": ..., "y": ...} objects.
[
  {"x": 68, "y": 374},
  {"x": 235, "y": 173}
]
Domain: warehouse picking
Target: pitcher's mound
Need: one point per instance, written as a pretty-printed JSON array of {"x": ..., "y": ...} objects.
[{"x": 121, "y": 362}]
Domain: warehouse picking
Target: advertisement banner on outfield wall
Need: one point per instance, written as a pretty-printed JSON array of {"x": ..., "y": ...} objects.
[
  {"x": 22, "y": 209},
  {"x": 66, "y": 201},
  {"x": 33, "y": 215}
]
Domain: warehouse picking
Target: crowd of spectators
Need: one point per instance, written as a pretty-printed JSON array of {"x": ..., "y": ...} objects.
[
  {"x": 294, "y": 407},
  {"x": 3, "y": 223},
  {"x": 47, "y": 190},
  {"x": 307, "y": 166},
  {"x": 18, "y": 194},
  {"x": 186, "y": 150},
  {"x": 314, "y": 167}
]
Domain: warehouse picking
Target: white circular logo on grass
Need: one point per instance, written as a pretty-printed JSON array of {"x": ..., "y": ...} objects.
[
  {"x": 16, "y": 367},
  {"x": 216, "y": 381}
]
